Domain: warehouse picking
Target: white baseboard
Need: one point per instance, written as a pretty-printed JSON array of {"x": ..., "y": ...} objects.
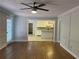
[
  {"x": 10, "y": 42},
  {"x": 30, "y": 40},
  {"x": 3, "y": 46},
  {"x": 42, "y": 40},
  {"x": 20, "y": 40},
  {"x": 69, "y": 51}
]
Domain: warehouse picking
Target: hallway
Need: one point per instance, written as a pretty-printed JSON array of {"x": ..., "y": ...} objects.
[{"x": 34, "y": 50}]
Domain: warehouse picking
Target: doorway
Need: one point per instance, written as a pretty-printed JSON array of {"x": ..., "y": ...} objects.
[
  {"x": 30, "y": 29},
  {"x": 41, "y": 30},
  {"x": 9, "y": 30}
]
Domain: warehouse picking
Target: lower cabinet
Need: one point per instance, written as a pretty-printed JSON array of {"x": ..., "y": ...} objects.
[{"x": 47, "y": 34}]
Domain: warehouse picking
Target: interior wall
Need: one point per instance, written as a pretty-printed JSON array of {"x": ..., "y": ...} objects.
[
  {"x": 21, "y": 28},
  {"x": 4, "y": 14},
  {"x": 69, "y": 31},
  {"x": 2, "y": 30}
]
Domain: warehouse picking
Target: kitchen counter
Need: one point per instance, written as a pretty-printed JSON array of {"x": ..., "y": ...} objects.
[{"x": 45, "y": 28}]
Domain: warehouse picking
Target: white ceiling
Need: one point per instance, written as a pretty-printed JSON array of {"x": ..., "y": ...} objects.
[{"x": 55, "y": 7}]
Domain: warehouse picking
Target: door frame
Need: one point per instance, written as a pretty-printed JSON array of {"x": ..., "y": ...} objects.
[
  {"x": 55, "y": 29},
  {"x": 29, "y": 28},
  {"x": 11, "y": 18}
]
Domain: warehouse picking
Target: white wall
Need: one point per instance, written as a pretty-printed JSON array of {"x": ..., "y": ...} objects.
[
  {"x": 3, "y": 41},
  {"x": 74, "y": 35},
  {"x": 69, "y": 31},
  {"x": 20, "y": 28},
  {"x": 4, "y": 14}
]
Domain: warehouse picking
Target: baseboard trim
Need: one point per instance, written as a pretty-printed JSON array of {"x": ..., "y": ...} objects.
[
  {"x": 3, "y": 46},
  {"x": 69, "y": 51},
  {"x": 30, "y": 40},
  {"x": 41, "y": 40},
  {"x": 20, "y": 40}
]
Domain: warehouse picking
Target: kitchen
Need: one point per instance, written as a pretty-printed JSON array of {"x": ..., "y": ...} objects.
[{"x": 43, "y": 30}]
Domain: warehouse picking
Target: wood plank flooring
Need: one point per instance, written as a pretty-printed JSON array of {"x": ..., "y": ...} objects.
[{"x": 34, "y": 50}]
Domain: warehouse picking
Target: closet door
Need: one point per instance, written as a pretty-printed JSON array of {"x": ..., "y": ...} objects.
[
  {"x": 65, "y": 30},
  {"x": 74, "y": 38},
  {"x": 2, "y": 30}
]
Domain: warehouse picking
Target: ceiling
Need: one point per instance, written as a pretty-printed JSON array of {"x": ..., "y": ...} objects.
[{"x": 56, "y": 7}]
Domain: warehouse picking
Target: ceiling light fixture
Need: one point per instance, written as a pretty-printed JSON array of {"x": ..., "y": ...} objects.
[{"x": 34, "y": 12}]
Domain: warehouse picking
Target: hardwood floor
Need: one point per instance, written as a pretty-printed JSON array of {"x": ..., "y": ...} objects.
[{"x": 34, "y": 50}]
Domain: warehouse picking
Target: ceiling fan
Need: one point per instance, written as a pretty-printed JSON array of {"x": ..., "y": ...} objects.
[{"x": 34, "y": 7}]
